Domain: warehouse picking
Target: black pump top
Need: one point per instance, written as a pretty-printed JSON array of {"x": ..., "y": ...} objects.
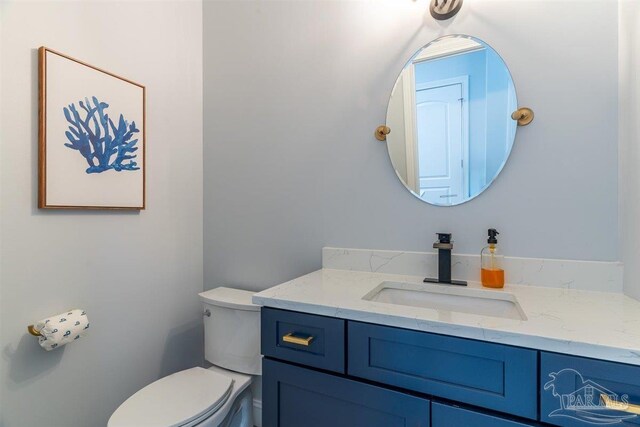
[
  {"x": 492, "y": 236},
  {"x": 444, "y": 237}
]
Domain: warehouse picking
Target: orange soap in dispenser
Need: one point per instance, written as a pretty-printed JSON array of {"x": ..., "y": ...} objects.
[{"x": 492, "y": 274}]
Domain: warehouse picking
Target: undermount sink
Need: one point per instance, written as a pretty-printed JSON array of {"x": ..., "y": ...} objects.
[{"x": 448, "y": 298}]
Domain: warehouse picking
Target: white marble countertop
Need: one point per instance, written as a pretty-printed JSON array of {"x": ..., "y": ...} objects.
[{"x": 593, "y": 324}]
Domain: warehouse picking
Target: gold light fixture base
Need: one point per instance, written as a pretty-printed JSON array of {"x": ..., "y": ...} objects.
[
  {"x": 381, "y": 132},
  {"x": 523, "y": 116}
]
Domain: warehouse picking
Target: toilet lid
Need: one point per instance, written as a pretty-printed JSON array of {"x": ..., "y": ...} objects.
[{"x": 174, "y": 400}]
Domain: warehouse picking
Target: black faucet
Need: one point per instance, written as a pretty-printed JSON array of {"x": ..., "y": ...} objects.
[{"x": 444, "y": 246}]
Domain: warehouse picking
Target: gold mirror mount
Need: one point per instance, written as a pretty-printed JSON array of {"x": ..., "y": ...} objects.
[
  {"x": 523, "y": 116},
  {"x": 381, "y": 132},
  {"x": 444, "y": 9}
]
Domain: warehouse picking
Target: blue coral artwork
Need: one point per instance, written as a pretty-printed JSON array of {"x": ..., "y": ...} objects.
[{"x": 93, "y": 134}]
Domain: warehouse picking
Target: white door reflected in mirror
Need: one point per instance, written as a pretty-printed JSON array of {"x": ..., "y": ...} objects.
[{"x": 450, "y": 116}]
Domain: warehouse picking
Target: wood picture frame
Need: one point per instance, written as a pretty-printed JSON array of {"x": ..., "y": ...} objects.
[{"x": 94, "y": 156}]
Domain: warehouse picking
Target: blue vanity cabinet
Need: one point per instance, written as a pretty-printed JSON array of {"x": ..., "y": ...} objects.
[
  {"x": 443, "y": 415},
  {"x": 300, "y": 397},
  {"x": 328, "y": 372},
  {"x": 574, "y": 391},
  {"x": 492, "y": 376}
]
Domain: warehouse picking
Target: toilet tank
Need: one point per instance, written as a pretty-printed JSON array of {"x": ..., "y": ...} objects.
[{"x": 232, "y": 330}]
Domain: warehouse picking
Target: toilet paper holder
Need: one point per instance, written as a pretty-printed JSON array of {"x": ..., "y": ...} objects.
[
  {"x": 33, "y": 331},
  {"x": 61, "y": 329}
]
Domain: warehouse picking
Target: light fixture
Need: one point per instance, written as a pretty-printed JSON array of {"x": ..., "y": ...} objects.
[{"x": 444, "y": 9}]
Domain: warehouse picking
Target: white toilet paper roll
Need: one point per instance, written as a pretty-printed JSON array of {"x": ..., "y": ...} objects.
[{"x": 59, "y": 330}]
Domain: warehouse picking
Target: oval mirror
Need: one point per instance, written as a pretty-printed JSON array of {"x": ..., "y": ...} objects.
[{"x": 450, "y": 120}]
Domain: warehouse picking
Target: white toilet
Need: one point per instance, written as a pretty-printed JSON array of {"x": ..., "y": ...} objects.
[{"x": 219, "y": 396}]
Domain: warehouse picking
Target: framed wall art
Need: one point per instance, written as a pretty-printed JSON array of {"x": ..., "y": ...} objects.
[{"x": 91, "y": 136}]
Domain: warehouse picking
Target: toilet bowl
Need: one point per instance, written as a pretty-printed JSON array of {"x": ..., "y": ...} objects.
[{"x": 219, "y": 396}]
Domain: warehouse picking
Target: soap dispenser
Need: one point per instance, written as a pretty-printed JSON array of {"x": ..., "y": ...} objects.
[{"x": 492, "y": 274}]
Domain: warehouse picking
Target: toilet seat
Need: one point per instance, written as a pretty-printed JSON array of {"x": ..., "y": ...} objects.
[{"x": 182, "y": 399}]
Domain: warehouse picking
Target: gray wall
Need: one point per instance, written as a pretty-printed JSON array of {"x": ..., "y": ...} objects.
[
  {"x": 294, "y": 90},
  {"x": 137, "y": 275},
  {"x": 630, "y": 144}
]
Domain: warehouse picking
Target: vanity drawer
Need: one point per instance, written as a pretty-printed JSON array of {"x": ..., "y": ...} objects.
[
  {"x": 483, "y": 374},
  {"x": 296, "y": 397},
  {"x": 307, "y": 339},
  {"x": 452, "y": 416},
  {"x": 567, "y": 381}
]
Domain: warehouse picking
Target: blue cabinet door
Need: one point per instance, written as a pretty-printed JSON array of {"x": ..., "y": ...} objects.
[
  {"x": 451, "y": 416},
  {"x": 299, "y": 397},
  {"x": 579, "y": 392},
  {"x": 492, "y": 376}
]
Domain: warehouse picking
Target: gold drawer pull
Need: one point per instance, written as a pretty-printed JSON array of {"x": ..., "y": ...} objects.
[
  {"x": 609, "y": 403},
  {"x": 296, "y": 339}
]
